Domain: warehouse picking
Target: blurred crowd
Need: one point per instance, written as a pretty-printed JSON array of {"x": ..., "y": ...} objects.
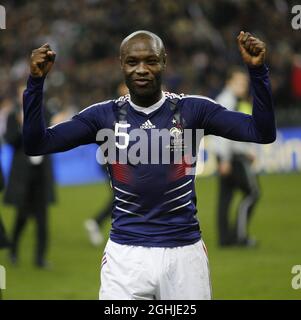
[{"x": 200, "y": 38}]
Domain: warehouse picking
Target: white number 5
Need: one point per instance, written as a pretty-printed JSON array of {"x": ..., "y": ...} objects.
[{"x": 122, "y": 134}]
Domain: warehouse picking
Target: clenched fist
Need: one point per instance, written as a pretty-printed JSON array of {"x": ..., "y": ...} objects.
[
  {"x": 41, "y": 61},
  {"x": 252, "y": 49}
]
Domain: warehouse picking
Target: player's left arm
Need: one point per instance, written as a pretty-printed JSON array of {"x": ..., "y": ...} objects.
[{"x": 260, "y": 126}]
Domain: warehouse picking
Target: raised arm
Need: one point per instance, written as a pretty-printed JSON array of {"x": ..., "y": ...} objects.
[
  {"x": 37, "y": 138},
  {"x": 260, "y": 126}
]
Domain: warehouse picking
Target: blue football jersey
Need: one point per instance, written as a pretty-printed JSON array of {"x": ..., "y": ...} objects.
[{"x": 154, "y": 203}]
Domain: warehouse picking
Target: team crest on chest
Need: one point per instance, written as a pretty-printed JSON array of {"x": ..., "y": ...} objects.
[{"x": 176, "y": 133}]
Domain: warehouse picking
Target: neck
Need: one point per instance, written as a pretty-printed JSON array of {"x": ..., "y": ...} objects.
[{"x": 146, "y": 101}]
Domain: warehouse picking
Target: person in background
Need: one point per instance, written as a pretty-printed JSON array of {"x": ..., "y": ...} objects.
[
  {"x": 5, "y": 107},
  {"x": 93, "y": 225},
  {"x": 30, "y": 188},
  {"x": 234, "y": 167},
  {"x": 4, "y": 242}
]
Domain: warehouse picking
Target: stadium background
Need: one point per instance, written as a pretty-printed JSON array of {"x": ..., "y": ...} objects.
[{"x": 200, "y": 37}]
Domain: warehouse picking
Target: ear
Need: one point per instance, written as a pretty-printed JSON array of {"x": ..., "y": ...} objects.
[{"x": 164, "y": 58}]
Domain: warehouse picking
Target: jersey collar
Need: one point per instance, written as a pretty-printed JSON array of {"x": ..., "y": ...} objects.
[{"x": 151, "y": 108}]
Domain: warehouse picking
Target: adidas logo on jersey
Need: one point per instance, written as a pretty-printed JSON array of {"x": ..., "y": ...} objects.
[{"x": 147, "y": 125}]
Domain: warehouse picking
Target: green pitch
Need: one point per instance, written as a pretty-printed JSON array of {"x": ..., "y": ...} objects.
[{"x": 259, "y": 273}]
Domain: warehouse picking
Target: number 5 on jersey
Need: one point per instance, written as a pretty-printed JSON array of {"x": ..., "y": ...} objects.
[{"x": 123, "y": 135}]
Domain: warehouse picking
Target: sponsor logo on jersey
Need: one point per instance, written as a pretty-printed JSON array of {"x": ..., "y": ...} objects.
[{"x": 147, "y": 125}]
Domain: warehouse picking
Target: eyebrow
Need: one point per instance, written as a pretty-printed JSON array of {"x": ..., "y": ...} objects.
[{"x": 152, "y": 56}]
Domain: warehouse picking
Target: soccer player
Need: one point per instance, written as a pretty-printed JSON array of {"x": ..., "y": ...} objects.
[{"x": 155, "y": 250}]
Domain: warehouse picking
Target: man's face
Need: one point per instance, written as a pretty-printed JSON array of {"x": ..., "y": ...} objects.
[
  {"x": 240, "y": 84},
  {"x": 142, "y": 63}
]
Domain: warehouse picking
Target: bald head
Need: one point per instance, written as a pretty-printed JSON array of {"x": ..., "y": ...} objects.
[{"x": 142, "y": 36}]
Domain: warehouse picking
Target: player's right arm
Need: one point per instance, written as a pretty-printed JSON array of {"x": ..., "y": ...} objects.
[{"x": 37, "y": 138}]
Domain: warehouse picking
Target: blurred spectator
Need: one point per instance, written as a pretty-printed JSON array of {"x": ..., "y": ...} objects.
[
  {"x": 4, "y": 243},
  {"x": 93, "y": 225},
  {"x": 235, "y": 172},
  {"x": 4, "y": 109},
  {"x": 30, "y": 188}
]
